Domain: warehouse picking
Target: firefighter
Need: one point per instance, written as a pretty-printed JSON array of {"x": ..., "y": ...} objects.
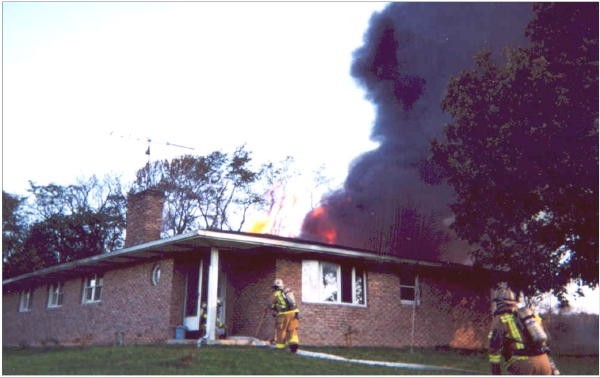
[
  {"x": 220, "y": 327},
  {"x": 286, "y": 315},
  {"x": 509, "y": 340}
]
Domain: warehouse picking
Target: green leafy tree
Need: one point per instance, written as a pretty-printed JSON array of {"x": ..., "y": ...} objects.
[
  {"x": 97, "y": 206},
  {"x": 70, "y": 222},
  {"x": 14, "y": 228},
  {"x": 521, "y": 152}
]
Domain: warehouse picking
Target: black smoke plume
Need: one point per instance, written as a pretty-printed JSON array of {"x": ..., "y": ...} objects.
[{"x": 410, "y": 52}]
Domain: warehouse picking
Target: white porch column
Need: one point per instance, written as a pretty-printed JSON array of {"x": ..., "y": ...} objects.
[{"x": 213, "y": 281}]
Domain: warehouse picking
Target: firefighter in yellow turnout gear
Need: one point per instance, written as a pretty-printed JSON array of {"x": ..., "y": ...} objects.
[
  {"x": 220, "y": 327},
  {"x": 510, "y": 341},
  {"x": 287, "y": 317}
]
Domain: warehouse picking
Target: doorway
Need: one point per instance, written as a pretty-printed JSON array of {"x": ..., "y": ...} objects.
[
  {"x": 196, "y": 298},
  {"x": 195, "y": 294}
]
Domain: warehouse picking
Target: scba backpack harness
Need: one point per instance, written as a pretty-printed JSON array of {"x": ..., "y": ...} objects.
[
  {"x": 534, "y": 331},
  {"x": 290, "y": 301}
]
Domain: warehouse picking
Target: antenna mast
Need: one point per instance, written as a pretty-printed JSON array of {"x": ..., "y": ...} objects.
[{"x": 149, "y": 141}]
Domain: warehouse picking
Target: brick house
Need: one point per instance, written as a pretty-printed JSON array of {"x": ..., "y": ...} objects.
[{"x": 139, "y": 294}]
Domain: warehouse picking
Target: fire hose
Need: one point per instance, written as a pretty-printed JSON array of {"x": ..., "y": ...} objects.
[{"x": 260, "y": 323}]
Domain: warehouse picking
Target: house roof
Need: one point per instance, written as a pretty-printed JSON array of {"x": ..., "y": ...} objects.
[{"x": 223, "y": 240}]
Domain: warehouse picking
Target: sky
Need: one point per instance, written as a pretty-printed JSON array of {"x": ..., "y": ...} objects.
[{"x": 86, "y": 84}]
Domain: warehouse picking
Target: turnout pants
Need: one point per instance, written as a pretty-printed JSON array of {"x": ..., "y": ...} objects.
[
  {"x": 534, "y": 365},
  {"x": 286, "y": 329}
]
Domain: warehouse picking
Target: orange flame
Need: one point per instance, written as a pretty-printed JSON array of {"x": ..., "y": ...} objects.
[
  {"x": 323, "y": 227},
  {"x": 280, "y": 216},
  {"x": 330, "y": 236},
  {"x": 260, "y": 226},
  {"x": 319, "y": 211}
]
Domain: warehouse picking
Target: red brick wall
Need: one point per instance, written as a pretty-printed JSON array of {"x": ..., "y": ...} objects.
[
  {"x": 144, "y": 217},
  {"x": 382, "y": 323},
  {"x": 130, "y": 304},
  {"x": 449, "y": 313},
  {"x": 250, "y": 280},
  {"x": 452, "y": 311}
]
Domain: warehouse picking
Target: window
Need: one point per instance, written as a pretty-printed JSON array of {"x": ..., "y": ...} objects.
[
  {"x": 92, "y": 289},
  {"x": 409, "y": 288},
  {"x": 330, "y": 282},
  {"x": 25, "y": 302},
  {"x": 55, "y": 295},
  {"x": 327, "y": 282},
  {"x": 155, "y": 275}
]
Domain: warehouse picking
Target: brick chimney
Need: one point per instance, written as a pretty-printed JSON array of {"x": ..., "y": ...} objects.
[{"x": 144, "y": 217}]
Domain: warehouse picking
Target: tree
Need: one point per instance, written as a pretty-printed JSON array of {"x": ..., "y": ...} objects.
[
  {"x": 521, "y": 152},
  {"x": 214, "y": 192},
  {"x": 225, "y": 191},
  {"x": 172, "y": 178},
  {"x": 13, "y": 228},
  {"x": 97, "y": 206},
  {"x": 71, "y": 222}
]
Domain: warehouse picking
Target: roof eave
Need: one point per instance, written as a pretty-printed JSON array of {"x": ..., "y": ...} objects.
[{"x": 220, "y": 239}]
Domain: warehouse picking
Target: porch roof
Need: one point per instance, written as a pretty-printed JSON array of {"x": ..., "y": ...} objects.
[{"x": 223, "y": 240}]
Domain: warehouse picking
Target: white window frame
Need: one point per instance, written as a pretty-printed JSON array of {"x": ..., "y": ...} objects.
[
  {"x": 414, "y": 287},
  {"x": 155, "y": 275},
  {"x": 55, "y": 295},
  {"x": 313, "y": 289},
  {"x": 26, "y": 300},
  {"x": 94, "y": 285}
]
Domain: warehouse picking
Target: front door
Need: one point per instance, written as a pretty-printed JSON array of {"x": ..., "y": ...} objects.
[
  {"x": 195, "y": 295},
  {"x": 196, "y": 299}
]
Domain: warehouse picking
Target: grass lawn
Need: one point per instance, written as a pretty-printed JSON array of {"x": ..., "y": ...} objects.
[{"x": 230, "y": 360}]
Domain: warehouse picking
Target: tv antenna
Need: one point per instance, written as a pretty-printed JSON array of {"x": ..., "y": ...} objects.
[{"x": 149, "y": 141}]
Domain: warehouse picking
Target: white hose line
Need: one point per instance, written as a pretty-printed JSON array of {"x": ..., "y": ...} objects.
[{"x": 401, "y": 365}]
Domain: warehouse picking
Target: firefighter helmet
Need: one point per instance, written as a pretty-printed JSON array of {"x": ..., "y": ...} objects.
[{"x": 278, "y": 283}]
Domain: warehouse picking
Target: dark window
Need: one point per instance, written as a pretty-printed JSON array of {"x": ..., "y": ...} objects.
[
  {"x": 346, "y": 284},
  {"x": 408, "y": 286},
  {"x": 407, "y": 293},
  {"x": 191, "y": 305}
]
